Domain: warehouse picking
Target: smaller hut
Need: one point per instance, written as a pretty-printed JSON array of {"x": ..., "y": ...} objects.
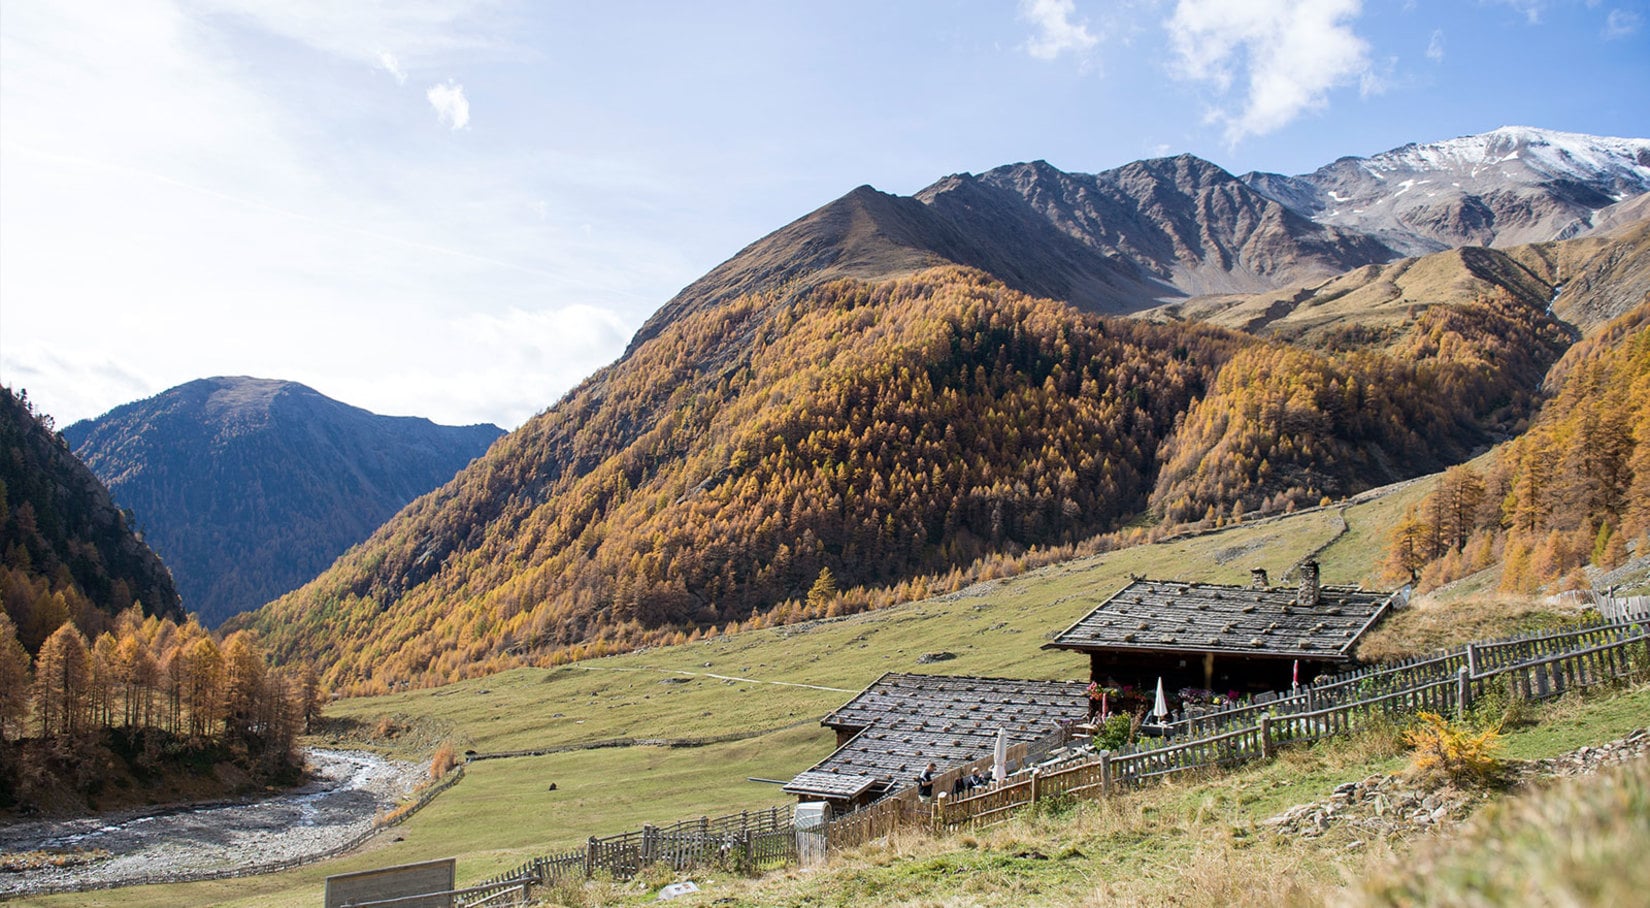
[{"x": 891, "y": 730}]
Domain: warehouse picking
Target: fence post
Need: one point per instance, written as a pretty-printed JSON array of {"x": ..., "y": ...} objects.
[
  {"x": 750, "y": 858},
  {"x": 1463, "y": 692},
  {"x": 1265, "y": 737},
  {"x": 1472, "y": 658},
  {"x": 936, "y": 812},
  {"x": 1105, "y": 773},
  {"x": 590, "y": 848},
  {"x": 650, "y": 844},
  {"x": 1034, "y": 786}
]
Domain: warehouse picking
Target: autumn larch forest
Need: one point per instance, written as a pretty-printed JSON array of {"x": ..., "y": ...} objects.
[{"x": 898, "y": 436}]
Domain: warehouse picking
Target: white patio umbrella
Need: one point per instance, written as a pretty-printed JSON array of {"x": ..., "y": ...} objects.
[
  {"x": 999, "y": 757},
  {"x": 1161, "y": 709}
]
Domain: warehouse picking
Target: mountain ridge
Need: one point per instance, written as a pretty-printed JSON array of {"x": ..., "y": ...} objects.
[
  {"x": 69, "y": 552},
  {"x": 1510, "y": 186},
  {"x": 248, "y": 487}
]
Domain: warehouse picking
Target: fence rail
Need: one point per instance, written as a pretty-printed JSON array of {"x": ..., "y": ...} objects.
[
  {"x": 1401, "y": 675},
  {"x": 746, "y": 841}
]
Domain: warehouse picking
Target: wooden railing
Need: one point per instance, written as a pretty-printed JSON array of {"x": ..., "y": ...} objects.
[
  {"x": 1402, "y": 675},
  {"x": 744, "y": 842}
]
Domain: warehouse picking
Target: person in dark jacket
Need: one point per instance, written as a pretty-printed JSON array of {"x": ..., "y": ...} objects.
[{"x": 925, "y": 782}]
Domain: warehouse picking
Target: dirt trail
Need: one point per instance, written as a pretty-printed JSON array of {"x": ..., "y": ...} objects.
[{"x": 350, "y": 789}]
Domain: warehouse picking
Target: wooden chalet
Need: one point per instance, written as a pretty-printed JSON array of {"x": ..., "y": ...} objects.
[
  {"x": 1224, "y": 638},
  {"x": 888, "y": 733}
]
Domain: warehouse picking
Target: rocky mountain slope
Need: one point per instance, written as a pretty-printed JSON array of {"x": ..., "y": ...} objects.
[
  {"x": 1587, "y": 282},
  {"x": 1506, "y": 187},
  {"x": 68, "y": 551},
  {"x": 249, "y": 487},
  {"x": 1113, "y": 242}
]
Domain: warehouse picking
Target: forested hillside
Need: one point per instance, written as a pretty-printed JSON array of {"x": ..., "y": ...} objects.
[
  {"x": 68, "y": 553},
  {"x": 1569, "y": 492},
  {"x": 1285, "y": 426},
  {"x": 876, "y": 431},
  {"x": 249, "y": 487},
  {"x": 873, "y": 397},
  {"x": 867, "y": 433},
  {"x": 142, "y": 699}
]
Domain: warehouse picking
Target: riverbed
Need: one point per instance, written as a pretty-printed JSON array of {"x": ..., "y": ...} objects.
[{"x": 347, "y": 791}]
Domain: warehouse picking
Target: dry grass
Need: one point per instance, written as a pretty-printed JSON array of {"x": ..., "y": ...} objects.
[
  {"x": 1431, "y": 624},
  {"x": 1582, "y": 842}
]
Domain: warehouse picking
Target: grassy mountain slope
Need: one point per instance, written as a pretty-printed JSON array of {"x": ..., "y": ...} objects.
[
  {"x": 68, "y": 552},
  {"x": 249, "y": 487}
]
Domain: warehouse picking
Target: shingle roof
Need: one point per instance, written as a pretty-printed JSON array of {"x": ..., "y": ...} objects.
[
  {"x": 1158, "y": 615},
  {"x": 953, "y": 698},
  {"x": 910, "y": 720},
  {"x": 839, "y": 785}
]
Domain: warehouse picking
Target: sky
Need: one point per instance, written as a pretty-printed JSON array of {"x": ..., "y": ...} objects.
[{"x": 460, "y": 209}]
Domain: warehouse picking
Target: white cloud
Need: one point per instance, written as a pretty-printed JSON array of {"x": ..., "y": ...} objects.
[
  {"x": 246, "y": 227},
  {"x": 1056, "y": 32},
  {"x": 1531, "y": 9},
  {"x": 1621, "y": 23},
  {"x": 388, "y": 63},
  {"x": 1286, "y": 54},
  {"x": 1435, "y": 46},
  {"x": 451, "y": 107}
]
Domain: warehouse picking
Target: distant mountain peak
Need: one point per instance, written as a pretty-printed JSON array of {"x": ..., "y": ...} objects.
[
  {"x": 249, "y": 486},
  {"x": 1506, "y": 187},
  {"x": 1561, "y": 155}
]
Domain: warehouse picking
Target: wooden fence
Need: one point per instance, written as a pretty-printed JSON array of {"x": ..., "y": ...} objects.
[
  {"x": 1397, "y": 676},
  {"x": 744, "y": 842},
  {"x": 1613, "y": 608}
]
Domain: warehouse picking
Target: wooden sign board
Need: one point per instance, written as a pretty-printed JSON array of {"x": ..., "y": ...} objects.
[{"x": 396, "y": 883}]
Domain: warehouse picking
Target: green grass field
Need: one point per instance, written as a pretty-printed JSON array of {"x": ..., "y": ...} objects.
[{"x": 502, "y": 813}]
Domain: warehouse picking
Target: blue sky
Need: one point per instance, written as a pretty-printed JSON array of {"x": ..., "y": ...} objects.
[{"x": 459, "y": 209}]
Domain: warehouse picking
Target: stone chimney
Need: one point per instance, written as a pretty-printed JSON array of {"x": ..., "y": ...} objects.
[
  {"x": 1257, "y": 579},
  {"x": 1308, "y": 595}
]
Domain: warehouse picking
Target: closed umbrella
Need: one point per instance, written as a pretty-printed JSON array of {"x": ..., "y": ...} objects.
[
  {"x": 1161, "y": 709},
  {"x": 999, "y": 757}
]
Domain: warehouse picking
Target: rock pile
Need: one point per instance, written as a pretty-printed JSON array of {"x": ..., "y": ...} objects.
[
  {"x": 1585, "y": 760},
  {"x": 1380, "y": 806},
  {"x": 1384, "y": 806}
]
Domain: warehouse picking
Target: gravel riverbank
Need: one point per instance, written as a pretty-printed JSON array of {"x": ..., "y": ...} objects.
[{"x": 349, "y": 789}]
